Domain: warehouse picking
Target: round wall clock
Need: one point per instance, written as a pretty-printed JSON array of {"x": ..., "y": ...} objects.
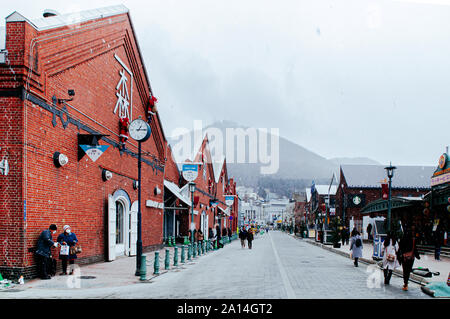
[{"x": 139, "y": 130}]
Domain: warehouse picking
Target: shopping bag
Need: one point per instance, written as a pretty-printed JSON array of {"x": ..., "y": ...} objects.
[{"x": 64, "y": 250}]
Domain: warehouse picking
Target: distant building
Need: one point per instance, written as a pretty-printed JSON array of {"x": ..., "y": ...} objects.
[{"x": 361, "y": 184}]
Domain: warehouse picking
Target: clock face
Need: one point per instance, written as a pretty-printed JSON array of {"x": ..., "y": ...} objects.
[
  {"x": 139, "y": 130},
  {"x": 356, "y": 200}
]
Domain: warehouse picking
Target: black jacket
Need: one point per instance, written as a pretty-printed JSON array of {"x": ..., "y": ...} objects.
[
  {"x": 243, "y": 235},
  {"x": 406, "y": 245},
  {"x": 44, "y": 243}
]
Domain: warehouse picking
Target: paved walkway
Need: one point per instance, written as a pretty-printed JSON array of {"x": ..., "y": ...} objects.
[
  {"x": 278, "y": 267},
  {"x": 426, "y": 261}
]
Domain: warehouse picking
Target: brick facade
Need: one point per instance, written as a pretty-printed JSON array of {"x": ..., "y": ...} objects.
[
  {"x": 36, "y": 193},
  {"x": 370, "y": 194}
]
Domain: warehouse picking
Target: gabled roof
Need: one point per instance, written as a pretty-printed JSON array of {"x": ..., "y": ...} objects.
[
  {"x": 218, "y": 166},
  {"x": 370, "y": 176},
  {"x": 323, "y": 189},
  {"x": 69, "y": 18}
]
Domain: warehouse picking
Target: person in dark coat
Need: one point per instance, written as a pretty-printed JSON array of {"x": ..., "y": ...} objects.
[
  {"x": 407, "y": 247},
  {"x": 219, "y": 237},
  {"x": 437, "y": 240},
  {"x": 229, "y": 233},
  {"x": 249, "y": 238},
  {"x": 211, "y": 237},
  {"x": 67, "y": 238},
  {"x": 43, "y": 251},
  {"x": 243, "y": 236}
]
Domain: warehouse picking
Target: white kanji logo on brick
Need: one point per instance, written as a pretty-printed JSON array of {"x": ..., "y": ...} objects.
[{"x": 123, "y": 97}]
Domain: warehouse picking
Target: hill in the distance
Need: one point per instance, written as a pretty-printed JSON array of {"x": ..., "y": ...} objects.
[{"x": 295, "y": 162}]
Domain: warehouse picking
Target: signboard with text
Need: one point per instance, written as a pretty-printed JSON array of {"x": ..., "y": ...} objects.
[{"x": 190, "y": 172}]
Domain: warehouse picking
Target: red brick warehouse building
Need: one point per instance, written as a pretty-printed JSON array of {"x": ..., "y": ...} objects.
[
  {"x": 95, "y": 54},
  {"x": 360, "y": 185}
]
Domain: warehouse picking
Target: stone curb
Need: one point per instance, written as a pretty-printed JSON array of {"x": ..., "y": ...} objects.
[{"x": 399, "y": 273}]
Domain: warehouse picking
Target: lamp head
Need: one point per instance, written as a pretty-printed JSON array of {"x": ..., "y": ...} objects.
[{"x": 390, "y": 170}]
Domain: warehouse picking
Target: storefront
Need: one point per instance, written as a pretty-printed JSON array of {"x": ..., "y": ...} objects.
[
  {"x": 437, "y": 202},
  {"x": 69, "y": 156}
]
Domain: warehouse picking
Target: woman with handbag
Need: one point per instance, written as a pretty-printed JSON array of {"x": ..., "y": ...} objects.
[
  {"x": 407, "y": 252},
  {"x": 390, "y": 261},
  {"x": 69, "y": 250}
]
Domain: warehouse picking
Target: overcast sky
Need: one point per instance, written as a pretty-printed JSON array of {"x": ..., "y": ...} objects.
[{"x": 362, "y": 78}]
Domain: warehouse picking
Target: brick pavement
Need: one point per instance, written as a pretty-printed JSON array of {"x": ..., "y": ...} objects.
[{"x": 233, "y": 272}]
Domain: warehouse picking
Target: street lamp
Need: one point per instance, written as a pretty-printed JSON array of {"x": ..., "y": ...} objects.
[
  {"x": 192, "y": 190},
  {"x": 390, "y": 174}
]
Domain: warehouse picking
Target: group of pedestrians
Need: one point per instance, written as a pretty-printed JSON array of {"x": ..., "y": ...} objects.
[
  {"x": 246, "y": 234},
  {"x": 67, "y": 254},
  {"x": 395, "y": 254}
]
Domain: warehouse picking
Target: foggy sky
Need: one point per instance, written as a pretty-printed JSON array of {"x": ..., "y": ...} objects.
[{"x": 362, "y": 78}]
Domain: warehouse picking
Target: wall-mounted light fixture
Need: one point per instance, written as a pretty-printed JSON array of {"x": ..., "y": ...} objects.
[
  {"x": 106, "y": 175},
  {"x": 60, "y": 159},
  {"x": 135, "y": 184},
  {"x": 157, "y": 190},
  {"x": 70, "y": 93}
]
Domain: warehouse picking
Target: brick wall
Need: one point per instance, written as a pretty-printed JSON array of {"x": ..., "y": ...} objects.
[{"x": 84, "y": 60}]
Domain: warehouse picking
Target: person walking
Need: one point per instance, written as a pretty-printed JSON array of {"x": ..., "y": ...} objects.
[
  {"x": 356, "y": 246},
  {"x": 218, "y": 237},
  {"x": 390, "y": 260},
  {"x": 243, "y": 237},
  {"x": 43, "y": 251},
  {"x": 407, "y": 253},
  {"x": 437, "y": 240},
  {"x": 249, "y": 237},
  {"x": 369, "y": 232},
  {"x": 67, "y": 239},
  {"x": 199, "y": 236},
  {"x": 211, "y": 236},
  {"x": 343, "y": 235}
]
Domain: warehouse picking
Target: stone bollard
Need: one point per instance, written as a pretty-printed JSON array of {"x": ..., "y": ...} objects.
[
  {"x": 175, "y": 256},
  {"x": 189, "y": 252},
  {"x": 167, "y": 260},
  {"x": 156, "y": 265},
  {"x": 143, "y": 269},
  {"x": 194, "y": 254}
]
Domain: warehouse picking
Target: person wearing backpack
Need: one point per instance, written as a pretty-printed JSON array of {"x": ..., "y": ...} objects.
[{"x": 356, "y": 246}]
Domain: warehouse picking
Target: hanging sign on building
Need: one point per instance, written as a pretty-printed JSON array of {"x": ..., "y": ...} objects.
[
  {"x": 88, "y": 144},
  {"x": 229, "y": 200},
  {"x": 190, "y": 172},
  {"x": 154, "y": 204},
  {"x": 94, "y": 151}
]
